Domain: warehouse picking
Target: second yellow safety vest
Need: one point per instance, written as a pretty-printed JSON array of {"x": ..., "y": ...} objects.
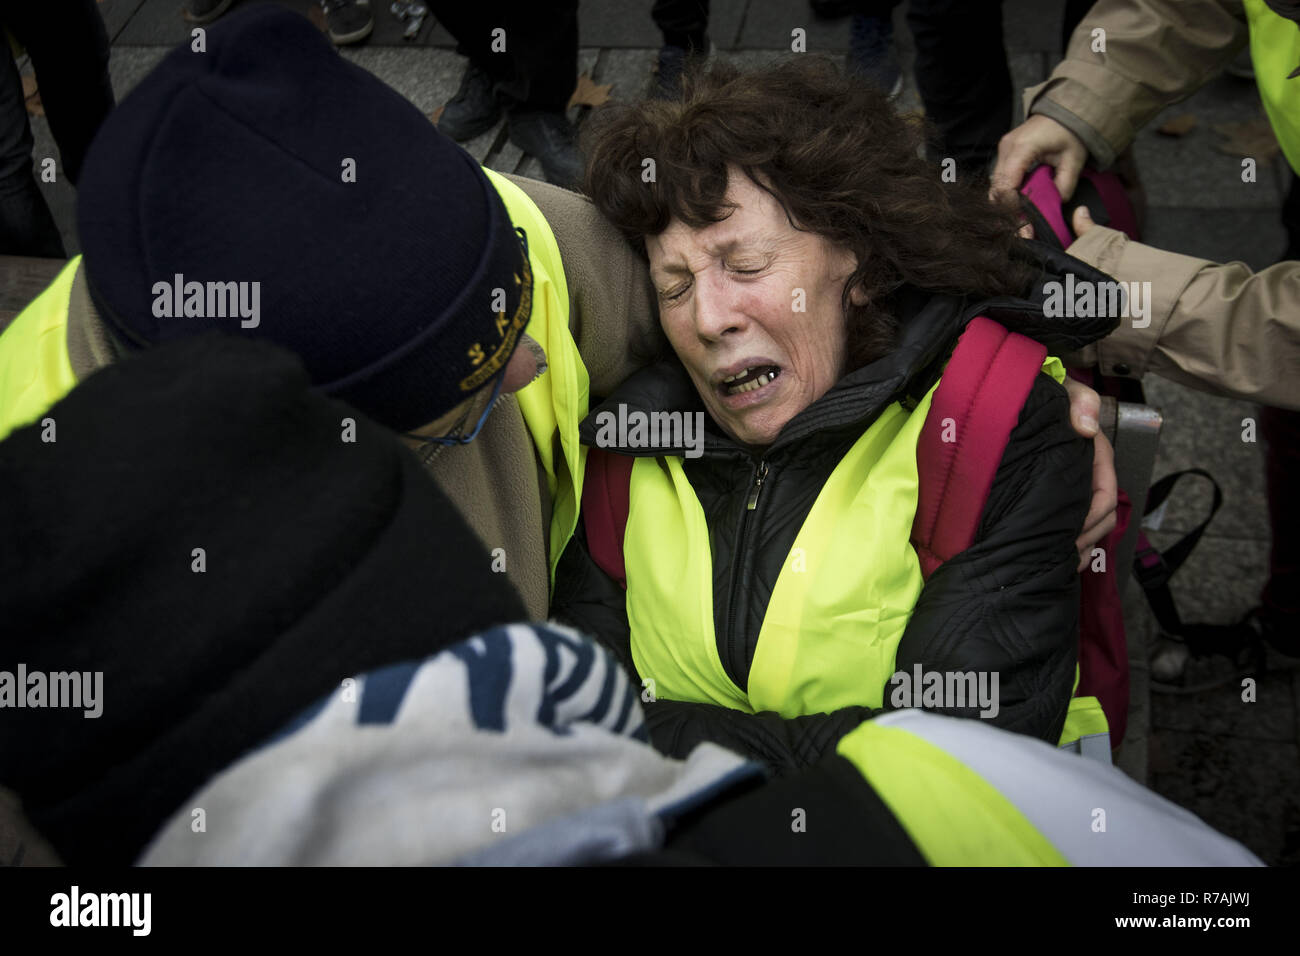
[{"x": 1274, "y": 53}]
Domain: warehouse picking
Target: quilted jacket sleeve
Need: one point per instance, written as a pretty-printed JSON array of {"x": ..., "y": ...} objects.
[{"x": 1009, "y": 604}]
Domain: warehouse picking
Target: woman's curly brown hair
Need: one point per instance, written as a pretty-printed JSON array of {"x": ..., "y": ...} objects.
[{"x": 834, "y": 154}]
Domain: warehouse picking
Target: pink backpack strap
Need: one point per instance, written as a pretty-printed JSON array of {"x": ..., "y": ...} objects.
[
  {"x": 1040, "y": 189},
  {"x": 975, "y": 407},
  {"x": 606, "y": 499},
  {"x": 1115, "y": 200}
]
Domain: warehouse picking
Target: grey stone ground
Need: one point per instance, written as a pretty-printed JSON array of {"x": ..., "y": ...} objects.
[{"x": 1234, "y": 764}]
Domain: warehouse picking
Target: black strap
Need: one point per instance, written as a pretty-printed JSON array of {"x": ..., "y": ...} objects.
[{"x": 1153, "y": 569}]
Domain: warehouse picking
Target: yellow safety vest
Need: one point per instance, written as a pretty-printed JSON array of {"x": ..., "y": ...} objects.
[
  {"x": 556, "y": 403},
  {"x": 1274, "y": 53},
  {"x": 35, "y": 372},
  {"x": 841, "y": 602},
  {"x": 34, "y": 368}
]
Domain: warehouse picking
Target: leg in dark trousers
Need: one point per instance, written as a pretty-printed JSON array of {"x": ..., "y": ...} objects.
[
  {"x": 539, "y": 66},
  {"x": 26, "y": 226},
  {"x": 963, "y": 77},
  {"x": 68, "y": 45},
  {"x": 684, "y": 23}
]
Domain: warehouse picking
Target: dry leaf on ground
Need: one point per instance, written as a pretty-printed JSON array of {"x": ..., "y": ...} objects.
[
  {"x": 589, "y": 93},
  {"x": 1180, "y": 125},
  {"x": 32, "y": 96},
  {"x": 1253, "y": 138}
]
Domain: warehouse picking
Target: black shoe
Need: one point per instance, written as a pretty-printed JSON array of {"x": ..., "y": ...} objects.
[
  {"x": 1206, "y": 656},
  {"x": 473, "y": 110},
  {"x": 550, "y": 138},
  {"x": 666, "y": 79},
  {"x": 348, "y": 21},
  {"x": 204, "y": 11}
]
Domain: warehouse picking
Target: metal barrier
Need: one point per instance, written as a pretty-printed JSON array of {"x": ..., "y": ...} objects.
[{"x": 1134, "y": 430}]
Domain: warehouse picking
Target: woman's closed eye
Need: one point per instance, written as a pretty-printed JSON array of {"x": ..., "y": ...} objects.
[{"x": 676, "y": 292}]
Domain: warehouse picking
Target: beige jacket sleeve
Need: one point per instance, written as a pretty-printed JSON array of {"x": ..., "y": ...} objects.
[
  {"x": 612, "y": 310},
  {"x": 1157, "y": 52},
  {"x": 1216, "y": 328}
]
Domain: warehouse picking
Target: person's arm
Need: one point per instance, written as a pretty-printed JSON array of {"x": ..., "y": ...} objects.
[
  {"x": 782, "y": 744},
  {"x": 588, "y": 600},
  {"x": 1009, "y": 604},
  {"x": 1157, "y": 52},
  {"x": 612, "y": 303},
  {"x": 1216, "y": 328}
]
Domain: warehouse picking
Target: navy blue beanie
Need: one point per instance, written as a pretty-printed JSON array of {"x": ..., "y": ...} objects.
[{"x": 402, "y": 292}]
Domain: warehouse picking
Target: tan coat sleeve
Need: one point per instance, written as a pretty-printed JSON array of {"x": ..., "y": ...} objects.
[
  {"x": 1216, "y": 328},
  {"x": 612, "y": 311},
  {"x": 1157, "y": 53}
]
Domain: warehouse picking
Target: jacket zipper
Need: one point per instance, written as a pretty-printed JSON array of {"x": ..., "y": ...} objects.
[
  {"x": 759, "y": 475},
  {"x": 733, "y": 626}
]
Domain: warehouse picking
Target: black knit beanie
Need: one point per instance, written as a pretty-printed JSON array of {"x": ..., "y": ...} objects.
[
  {"x": 322, "y": 557},
  {"x": 268, "y": 171}
]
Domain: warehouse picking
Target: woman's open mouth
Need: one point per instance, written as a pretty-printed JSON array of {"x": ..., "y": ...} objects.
[{"x": 749, "y": 380}]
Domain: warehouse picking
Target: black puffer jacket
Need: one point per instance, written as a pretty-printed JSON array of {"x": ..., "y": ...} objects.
[{"x": 1009, "y": 603}]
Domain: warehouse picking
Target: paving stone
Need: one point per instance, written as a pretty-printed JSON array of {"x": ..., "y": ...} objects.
[
  {"x": 1221, "y": 711},
  {"x": 627, "y": 70},
  {"x": 1220, "y": 581},
  {"x": 1027, "y": 69},
  {"x": 127, "y": 66},
  {"x": 426, "y": 76},
  {"x": 116, "y": 13},
  {"x": 1188, "y": 171},
  {"x": 1033, "y": 25},
  {"x": 1246, "y": 789},
  {"x": 1205, "y": 431},
  {"x": 485, "y": 144},
  {"x": 1253, "y": 236}
]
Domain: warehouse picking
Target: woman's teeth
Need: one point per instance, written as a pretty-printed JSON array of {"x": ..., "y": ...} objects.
[{"x": 751, "y": 384}]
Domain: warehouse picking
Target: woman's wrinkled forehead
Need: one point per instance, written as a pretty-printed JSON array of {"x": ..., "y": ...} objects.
[{"x": 754, "y": 223}]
